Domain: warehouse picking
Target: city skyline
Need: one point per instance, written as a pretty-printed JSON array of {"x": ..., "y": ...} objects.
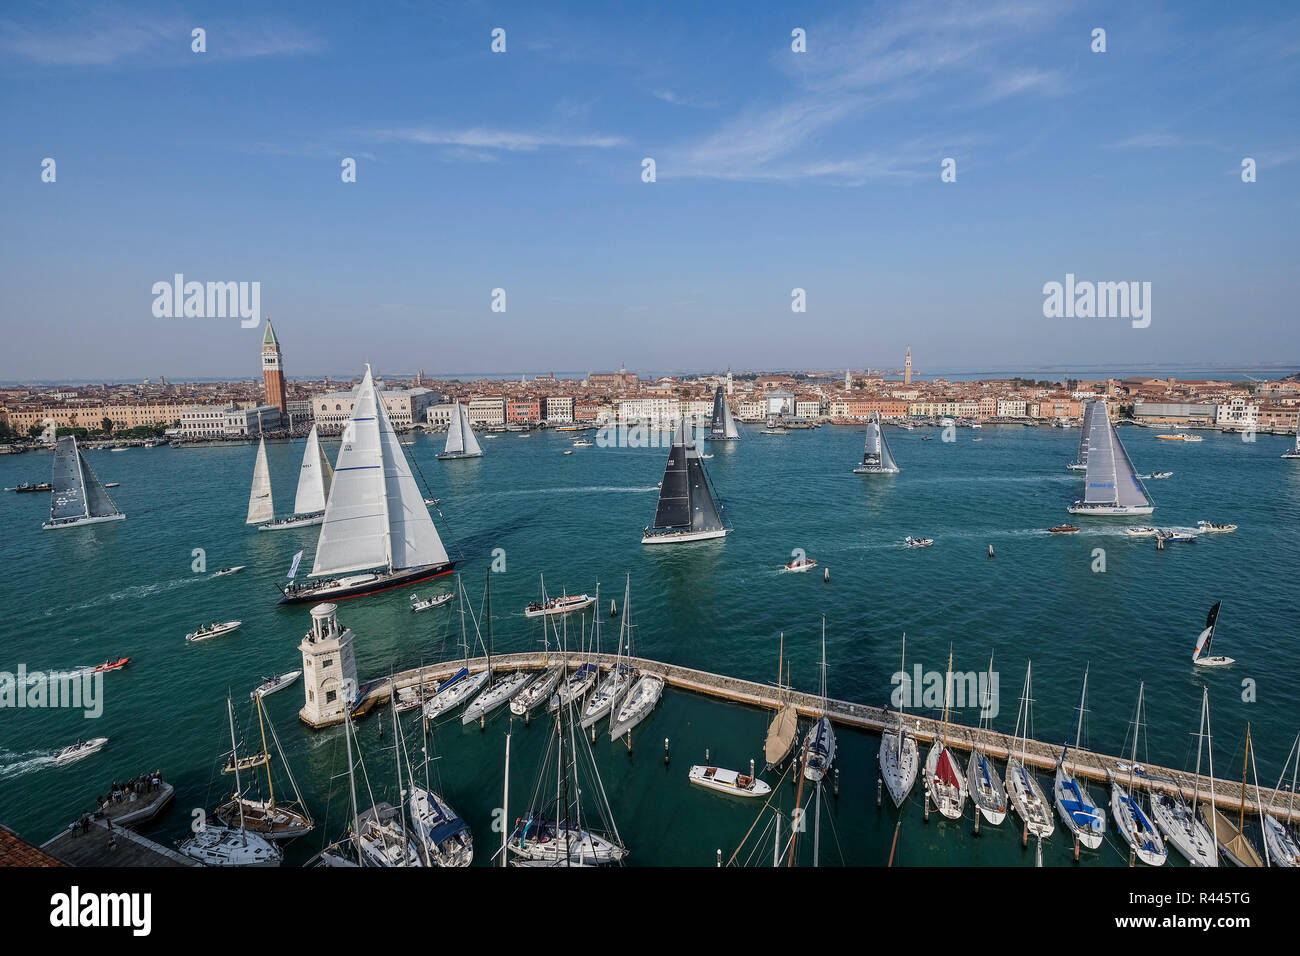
[{"x": 776, "y": 170}]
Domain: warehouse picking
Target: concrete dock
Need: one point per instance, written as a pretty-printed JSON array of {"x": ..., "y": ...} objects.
[
  {"x": 102, "y": 846},
  {"x": 1086, "y": 764}
]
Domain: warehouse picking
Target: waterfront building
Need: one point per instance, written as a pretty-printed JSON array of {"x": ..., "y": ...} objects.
[
  {"x": 273, "y": 371},
  {"x": 253, "y": 421},
  {"x": 807, "y": 406},
  {"x": 779, "y": 402},
  {"x": 1236, "y": 413},
  {"x": 558, "y": 409},
  {"x": 1278, "y": 418},
  {"x": 439, "y": 416},
  {"x": 329, "y": 668},
  {"x": 1011, "y": 408},
  {"x": 203, "y": 421},
  {"x": 1174, "y": 413},
  {"x": 487, "y": 410},
  {"x": 405, "y": 407},
  {"x": 652, "y": 409},
  {"x": 523, "y": 411}
]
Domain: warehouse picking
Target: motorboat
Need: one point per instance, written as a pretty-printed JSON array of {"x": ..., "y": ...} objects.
[
  {"x": 1142, "y": 531},
  {"x": 564, "y": 604},
  {"x": 226, "y": 572},
  {"x": 215, "y": 629},
  {"x": 918, "y": 542},
  {"x": 801, "y": 564},
  {"x": 1064, "y": 529},
  {"x": 1181, "y": 436},
  {"x": 728, "y": 781},
  {"x": 423, "y": 605},
  {"x": 1174, "y": 535},
  {"x": 107, "y": 666},
  {"x": 273, "y": 684},
  {"x": 1212, "y": 528},
  {"x": 79, "y": 750}
]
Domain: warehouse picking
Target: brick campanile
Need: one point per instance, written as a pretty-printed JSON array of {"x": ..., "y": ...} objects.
[{"x": 273, "y": 370}]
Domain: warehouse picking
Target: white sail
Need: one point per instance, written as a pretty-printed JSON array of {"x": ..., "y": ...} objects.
[
  {"x": 467, "y": 434},
  {"x": 1112, "y": 485},
  {"x": 455, "y": 433},
  {"x": 375, "y": 515},
  {"x": 260, "y": 507},
  {"x": 313, "y": 478}
]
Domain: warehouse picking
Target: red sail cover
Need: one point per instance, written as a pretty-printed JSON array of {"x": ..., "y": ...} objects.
[{"x": 945, "y": 772}]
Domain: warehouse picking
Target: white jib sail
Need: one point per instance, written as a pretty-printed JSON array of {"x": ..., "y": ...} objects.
[
  {"x": 471, "y": 445},
  {"x": 260, "y": 507},
  {"x": 313, "y": 478},
  {"x": 455, "y": 433}
]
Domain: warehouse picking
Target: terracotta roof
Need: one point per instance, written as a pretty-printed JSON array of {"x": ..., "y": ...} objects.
[{"x": 15, "y": 851}]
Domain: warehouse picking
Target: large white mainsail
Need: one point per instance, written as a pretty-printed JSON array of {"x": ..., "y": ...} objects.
[
  {"x": 461, "y": 442},
  {"x": 1113, "y": 487},
  {"x": 1080, "y": 462},
  {"x": 314, "y": 478},
  {"x": 260, "y": 506},
  {"x": 77, "y": 496}
]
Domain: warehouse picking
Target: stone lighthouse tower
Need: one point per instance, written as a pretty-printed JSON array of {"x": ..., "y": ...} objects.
[{"x": 329, "y": 668}]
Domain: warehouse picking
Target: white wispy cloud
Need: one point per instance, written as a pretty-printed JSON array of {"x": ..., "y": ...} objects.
[
  {"x": 1149, "y": 141},
  {"x": 492, "y": 139}
]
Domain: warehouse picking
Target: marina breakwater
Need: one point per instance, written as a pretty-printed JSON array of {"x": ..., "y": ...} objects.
[{"x": 1087, "y": 764}]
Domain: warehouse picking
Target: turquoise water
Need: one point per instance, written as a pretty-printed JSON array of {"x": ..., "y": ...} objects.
[{"x": 77, "y": 597}]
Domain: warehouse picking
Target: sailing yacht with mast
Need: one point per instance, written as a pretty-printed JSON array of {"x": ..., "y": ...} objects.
[
  {"x": 1180, "y": 824},
  {"x": 376, "y": 521},
  {"x": 275, "y": 821},
  {"x": 723, "y": 427},
  {"x": 1232, "y": 839},
  {"x": 462, "y": 685},
  {"x": 314, "y": 479},
  {"x": 1201, "y": 655},
  {"x": 260, "y": 506},
  {"x": 379, "y": 835},
  {"x": 620, "y": 677},
  {"x": 986, "y": 789},
  {"x": 1295, "y": 450},
  {"x": 1279, "y": 841},
  {"x": 1080, "y": 462},
  {"x": 503, "y": 688},
  {"x": 819, "y": 746},
  {"x": 443, "y": 837},
  {"x": 1134, "y": 825},
  {"x": 1022, "y": 786},
  {"x": 461, "y": 442},
  {"x": 1073, "y": 801},
  {"x": 77, "y": 496},
  {"x": 688, "y": 509},
  {"x": 216, "y": 845},
  {"x": 876, "y": 456},
  {"x": 899, "y": 758},
  {"x": 783, "y": 731},
  {"x": 1112, "y": 486},
  {"x": 943, "y": 778}
]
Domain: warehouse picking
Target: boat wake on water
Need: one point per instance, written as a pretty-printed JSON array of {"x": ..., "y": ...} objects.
[
  {"x": 135, "y": 592},
  {"x": 17, "y": 764}
]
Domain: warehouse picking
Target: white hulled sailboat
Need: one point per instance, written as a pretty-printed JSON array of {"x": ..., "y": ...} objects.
[
  {"x": 1201, "y": 656},
  {"x": 1073, "y": 801},
  {"x": 376, "y": 521},
  {"x": 876, "y": 456},
  {"x": 314, "y": 479},
  {"x": 77, "y": 496},
  {"x": 819, "y": 745},
  {"x": 1112, "y": 486},
  {"x": 461, "y": 442},
  {"x": 943, "y": 778},
  {"x": 899, "y": 758},
  {"x": 688, "y": 509},
  {"x": 1134, "y": 825},
  {"x": 1180, "y": 824},
  {"x": 260, "y": 506},
  {"x": 1022, "y": 786},
  {"x": 723, "y": 426},
  {"x": 986, "y": 789}
]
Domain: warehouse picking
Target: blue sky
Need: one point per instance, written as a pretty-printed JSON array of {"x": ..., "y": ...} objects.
[{"x": 522, "y": 171}]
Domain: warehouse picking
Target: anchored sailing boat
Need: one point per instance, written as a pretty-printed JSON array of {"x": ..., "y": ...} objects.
[
  {"x": 1279, "y": 841},
  {"x": 375, "y": 517},
  {"x": 503, "y": 688},
  {"x": 819, "y": 746},
  {"x": 723, "y": 427},
  {"x": 986, "y": 789},
  {"x": 461, "y": 442},
  {"x": 1232, "y": 840},
  {"x": 876, "y": 457},
  {"x": 1295, "y": 451},
  {"x": 1200, "y": 655},
  {"x": 1022, "y": 786},
  {"x": 783, "y": 732},
  {"x": 314, "y": 479},
  {"x": 442, "y": 835},
  {"x": 275, "y": 821},
  {"x": 78, "y": 496},
  {"x": 260, "y": 506},
  {"x": 1180, "y": 823},
  {"x": 1080, "y": 462},
  {"x": 1112, "y": 486},
  {"x": 688, "y": 508},
  {"x": 621, "y": 676},
  {"x": 899, "y": 759},
  {"x": 1134, "y": 825},
  {"x": 943, "y": 778},
  {"x": 1073, "y": 801},
  {"x": 462, "y": 685}
]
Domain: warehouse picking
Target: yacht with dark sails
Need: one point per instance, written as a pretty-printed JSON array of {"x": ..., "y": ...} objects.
[
  {"x": 78, "y": 496},
  {"x": 876, "y": 457},
  {"x": 688, "y": 508},
  {"x": 377, "y": 533},
  {"x": 723, "y": 426}
]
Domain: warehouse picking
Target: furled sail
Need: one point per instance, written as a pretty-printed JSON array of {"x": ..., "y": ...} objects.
[
  {"x": 1207, "y": 635},
  {"x": 1111, "y": 479},
  {"x": 68, "y": 490},
  {"x": 781, "y": 734},
  {"x": 260, "y": 507},
  {"x": 313, "y": 478},
  {"x": 375, "y": 515}
]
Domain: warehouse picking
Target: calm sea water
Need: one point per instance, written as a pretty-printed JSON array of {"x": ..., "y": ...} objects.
[{"x": 77, "y": 597}]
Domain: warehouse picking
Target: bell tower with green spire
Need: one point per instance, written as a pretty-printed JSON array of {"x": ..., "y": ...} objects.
[{"x": 273, "y": 370}]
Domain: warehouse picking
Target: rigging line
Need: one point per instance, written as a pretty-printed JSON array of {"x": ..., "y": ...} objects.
[{"x": 774, "y": 792}]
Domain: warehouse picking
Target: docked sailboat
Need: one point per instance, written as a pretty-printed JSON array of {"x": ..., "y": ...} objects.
[
  {"x": 943, "y": 777},
  {"x": 1232, "y": 839},
  {"x": 688, "y": 509},
  {"x": 635, "y": 707},
  {"x": 504, "y": 687},
  {"x": 77, "y": 495},
  {"x": 723, "y": 426},
  {"x": 1022, "y": 786},
  {"x": 217, "y": 845},
  {"x": 462, "y": 685},
  {"x": 986, "y": 789},
  {"x": 1073, "y": 801},
  {"x": 1201, "y": 655},
  {"x": 819, "y": 746},
  {"x": 267, "y": 817},
  {"x": 443, "y": 837},
  {"x": 376, "y": 521},
  {"x": 610, "y": 691},
  {"x": 314, "y": 480},
  {"x": 876, "y": 456},
  {"x": 1125, "y": 806},
  {"x": 1080, "y": 462},
  {"x": 783, "y": 731},
  {"x": 461, "y": 442},
  {"x": 1112, "y": 486},
  {"x": 1180, "y": 823},
  {"x": 1280, "y": 841},
  {"x": 899, "y": 758}
]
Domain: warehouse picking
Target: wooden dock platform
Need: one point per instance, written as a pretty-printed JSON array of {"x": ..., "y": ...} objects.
[
  {"x": 1086, "y": 764},
  {"x": 102, "y": 846}
]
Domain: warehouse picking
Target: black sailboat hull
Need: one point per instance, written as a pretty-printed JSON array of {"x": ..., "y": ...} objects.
[{"x": 383, "y": 581}]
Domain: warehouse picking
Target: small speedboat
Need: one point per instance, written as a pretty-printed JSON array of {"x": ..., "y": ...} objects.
[
  {"x": 559, "y": 605},
  {"x": 215, "y": 629},
  {"x": 423, "y": 605},
  {"x": 26, "y": 487},
  {"x": 107, "y": 666},
  {"x": 1181, "y": 436},
  {"x": 583, "y": 443},
  {"x": 1169, "y": 534},
  {"x": 918, "y": 542},
  {"x": 227, "y": 571},
  {"x": 1063, "y": 529},
  {"x": 1213, "y": 528},
  {"x": 568, "y": 451},
  {"x": 1157, "y": 475},
  {"x": 272, "y": 684},
  {"x": 111, "y": 484},
  {"x": 1142, "y": 531},
  {"x": 801, "y": 564},
  {"x": 82, "y": 748},
  {"x": 433, "y": 502},
  {"x": 728, "y": 781}
]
